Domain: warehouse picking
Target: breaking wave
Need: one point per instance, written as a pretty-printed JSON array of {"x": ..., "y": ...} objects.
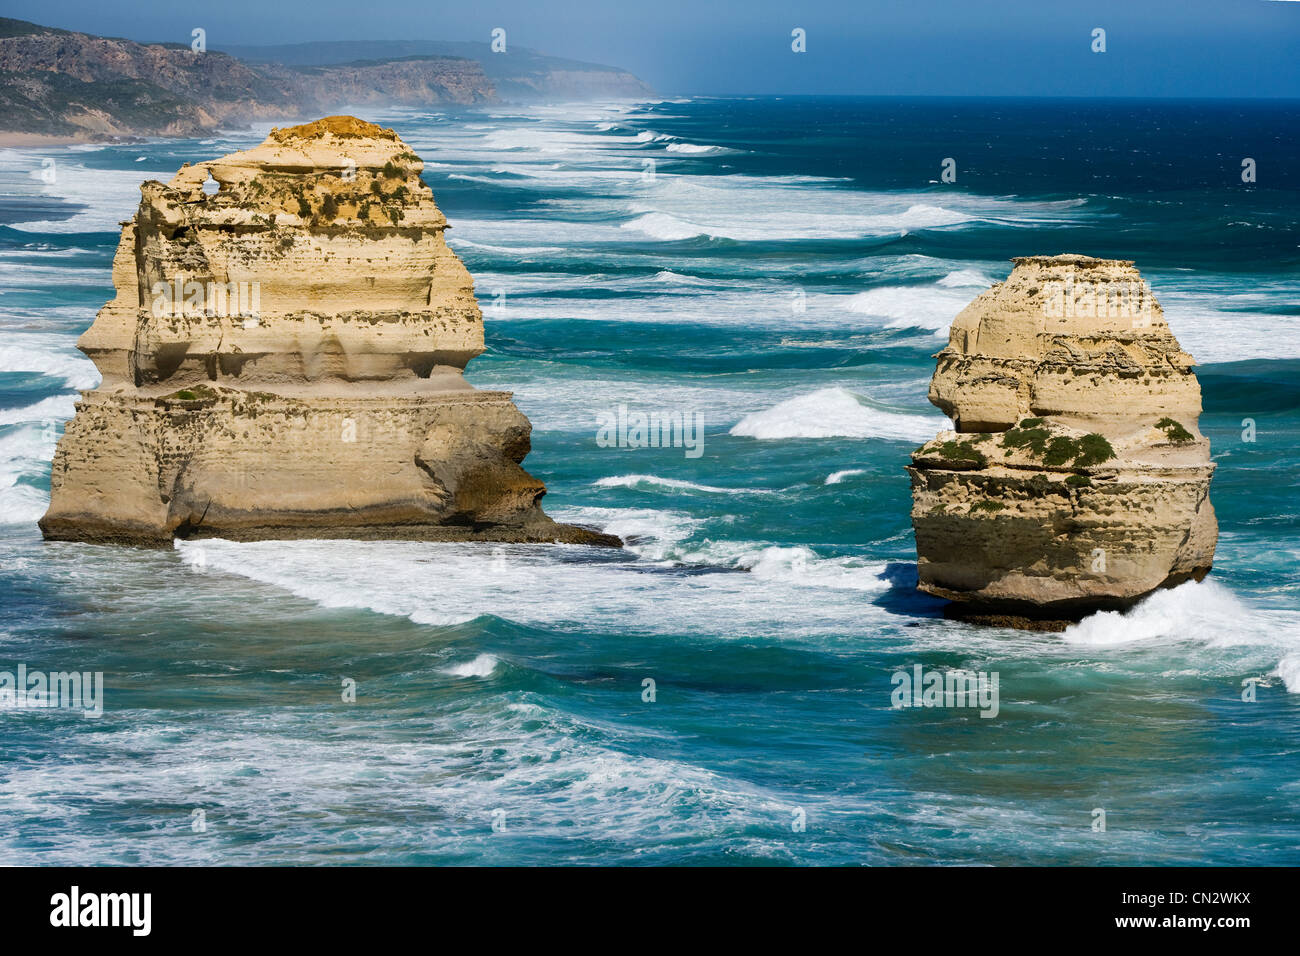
[
  {"x": 835, "y": 413},
  {"x": 677, "y": 484}
]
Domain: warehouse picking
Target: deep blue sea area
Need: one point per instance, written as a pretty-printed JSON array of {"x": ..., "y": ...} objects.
[{"x": 781, "y": 271}]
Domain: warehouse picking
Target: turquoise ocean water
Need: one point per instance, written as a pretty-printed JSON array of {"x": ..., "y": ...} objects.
[{"x": 783, "y": 269}]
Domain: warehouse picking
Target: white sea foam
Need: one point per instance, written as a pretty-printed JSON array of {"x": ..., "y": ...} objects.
[
  {"x": 1211, "y": 334},
  {"x": 692, "y": 148},
  {"x": 926, "y": 307},
  {"x": 673, "y": 206},
  {"x": 659, "y": 225},
  {"x": 458, "y": 242},
  {"x": 965, "y": 278},
  {"x": 754, "y": 226},
  {"x": 677, "y": 279},
  {"x": 744, "y": 587},
  {"x": 676, "y": 206},
  {"x": 486, "y": 180},
  {"x": 636, "y": 481},
  {"x": 535, "y": 140},
  {"x": 21, "y": 504},
  {"x": 481, "y": 666},
  {"x": 648, "y": 533},
  {"x": 56, "y": 408},
  {"x": 1203, "y": 612},
  {"x": 47, "y": 354},
  {"x": 802, "y": 567},
  {"x": 98, "y": 199},
  {"x": 544, "y": 769},
  {"x": 761, "y": 301},
  {"x": 25, "y": 452},
  {"x": 836, "y": 477},
  {"x": 32, "y": 270},
  {"x": 835, "y": 413},
  {"x": 1288, "y": 668},
  {"x": 564, "y": 402}
]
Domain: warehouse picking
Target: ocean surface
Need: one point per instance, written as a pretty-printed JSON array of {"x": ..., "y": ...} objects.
[{"x": 782, "y": 271}]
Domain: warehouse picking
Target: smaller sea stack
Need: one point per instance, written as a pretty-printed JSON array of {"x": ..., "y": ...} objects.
[{"x": 1077, "y": 479}]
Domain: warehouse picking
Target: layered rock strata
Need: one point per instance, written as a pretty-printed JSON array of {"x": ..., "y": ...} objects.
[
  {"x": 283, "y": 358},
  {"x": 1076, "y": 478}
]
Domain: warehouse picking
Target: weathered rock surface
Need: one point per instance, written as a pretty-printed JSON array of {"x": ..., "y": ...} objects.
[
  {"x": 1077, "y": 478},
  {"x": 283, "y": 358}
]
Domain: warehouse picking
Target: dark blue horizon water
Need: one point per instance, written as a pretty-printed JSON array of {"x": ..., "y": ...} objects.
[{"x": 786, "y": 268}]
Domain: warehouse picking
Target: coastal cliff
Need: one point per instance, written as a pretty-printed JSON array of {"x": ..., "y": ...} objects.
[
  {"x": 77, "y": 86},
  {"x": 520, "y": 75},
  {"x": 1077, "y": 478},
  {"x": 283, "y": 358}
]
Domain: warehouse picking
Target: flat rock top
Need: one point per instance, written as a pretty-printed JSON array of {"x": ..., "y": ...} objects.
[
  {"x": 343, "y": 127},
  {"x": 338, "y": 144},
  {"x": 1072, "y": 259}
]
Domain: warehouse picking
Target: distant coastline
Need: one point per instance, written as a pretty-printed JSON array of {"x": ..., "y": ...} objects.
[{"x": 60, "y": 87}]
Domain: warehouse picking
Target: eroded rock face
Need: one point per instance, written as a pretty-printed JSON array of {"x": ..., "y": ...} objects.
[
  {"x": 1077, "y": 478},
  {"x": 283, "y": 358}
]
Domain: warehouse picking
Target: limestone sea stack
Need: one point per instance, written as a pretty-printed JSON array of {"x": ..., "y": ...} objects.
[
  {"x": 284, "y": 357},
  {"x": 1076, "y": 479}
]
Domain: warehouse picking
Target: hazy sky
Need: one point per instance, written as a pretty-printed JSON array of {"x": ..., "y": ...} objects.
[{"x": 976, "y": 47}]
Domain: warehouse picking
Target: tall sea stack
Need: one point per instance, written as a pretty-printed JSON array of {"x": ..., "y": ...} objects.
[
  {"x": 1077, "y": 479},
  {"x": 283, "y": 358}
]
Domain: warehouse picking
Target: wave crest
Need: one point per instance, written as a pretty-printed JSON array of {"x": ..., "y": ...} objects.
[
  {"x": 636, "y": 481},
  {"x": 835, "y": 413}
]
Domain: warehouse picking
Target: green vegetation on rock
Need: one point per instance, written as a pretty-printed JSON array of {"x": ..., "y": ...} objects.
[
  {"x": 1174, "y": 431},
  {"x": 1060, "y": 450},
  {"x": 196, "y": 394},
  {"x": 966, "y": 451},
  {"x": 1055, "y": 451},
  {"x": 1093, "y": 450},
  {"x": 1033, "y": 437}
]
